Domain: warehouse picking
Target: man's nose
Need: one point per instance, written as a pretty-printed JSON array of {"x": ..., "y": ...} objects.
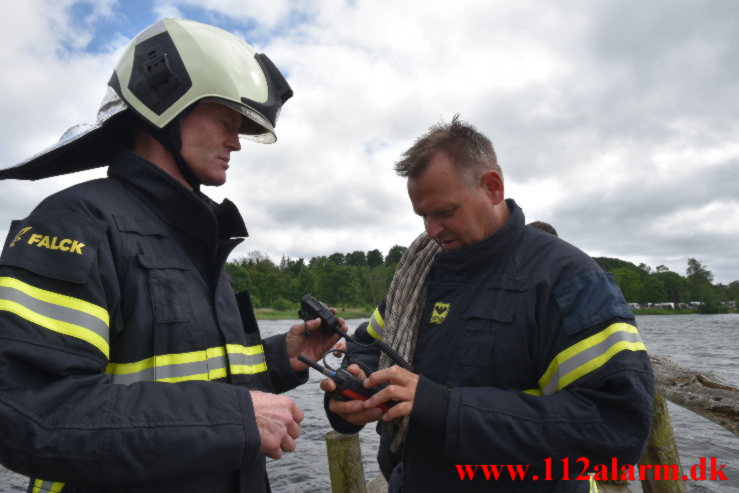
[
  {"x": 233, "y": 142},
  {"x": 433, "y": 227}
]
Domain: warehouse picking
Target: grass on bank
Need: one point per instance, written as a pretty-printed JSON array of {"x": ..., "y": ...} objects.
[
  {"x": 661, "y": 311},
  {"x": 344, "y": 312}
]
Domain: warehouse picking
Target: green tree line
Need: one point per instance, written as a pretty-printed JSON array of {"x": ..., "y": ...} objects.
[
  {"x": 640, "y": 284},
  {"x": 360, "y": 279},
  {"x": 357, "y": 279}
]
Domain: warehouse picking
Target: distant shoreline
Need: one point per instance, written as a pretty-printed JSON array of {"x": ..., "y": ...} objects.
[
  {"x": 660, "y": 311},
  {"x": 271, "y": 314}
]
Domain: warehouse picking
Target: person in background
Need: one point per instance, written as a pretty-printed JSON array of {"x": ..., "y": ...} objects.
[
  {"x": 521, "y": 350},
  {"x": 544, "y": 227},
  {"x": 127, "y": 363}
]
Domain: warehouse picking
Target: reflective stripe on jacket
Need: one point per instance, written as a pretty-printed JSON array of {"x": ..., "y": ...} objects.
[
  {"x": 526, "y": 351},
  {"x": 128, "y": 358}
]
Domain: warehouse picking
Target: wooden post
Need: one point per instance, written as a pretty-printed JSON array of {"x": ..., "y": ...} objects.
[
  {"x": 661, "y": 451},
  {"x": 345, "y": 463}
]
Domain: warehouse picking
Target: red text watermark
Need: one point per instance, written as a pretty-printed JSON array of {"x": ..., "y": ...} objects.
[{"x": 707, "y": 469}]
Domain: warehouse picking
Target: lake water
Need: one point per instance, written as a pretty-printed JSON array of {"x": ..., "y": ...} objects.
[{"x": 708, "y": 343}]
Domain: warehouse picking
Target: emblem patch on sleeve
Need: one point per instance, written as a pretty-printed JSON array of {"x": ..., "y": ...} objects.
[
  {"x": 60, "y": 245},
  {"x": 440, "y": 312},
  {"x": 19, "y": 236},
  {"x": 54, "y": 242}
]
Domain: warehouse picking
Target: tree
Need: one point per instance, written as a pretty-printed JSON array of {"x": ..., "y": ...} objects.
[
  {"x": 317, "y": 262},
  {"x": 394, "y": 255},
  {"x": 675, "y": 286},
  {"x": 376, "y": 284},
  {"x": 293, "y": 267},
  {"x": 337, "y": 258},
  {"x": 629, "y": 282},
  {"x": 329, "y": 278},
  {"x": 267, "y": 286},
  {"x": 653, "y": 290},
  {"x": 239, "y": 276},
  {"x": 698, "y": 273},
  {"x": 255, "y": 257},
  {"x": 307, "y": 282},
  {"x": 357, "y": 259},
  {"x": 374, "y": 258},
  {"x": 699, "y": 281},
  {"x": 732, "y": 292},
  {"x": 611, "y": 264},
  {"x": 350, "y": 287},
  {"x": 362, "y": 279}
]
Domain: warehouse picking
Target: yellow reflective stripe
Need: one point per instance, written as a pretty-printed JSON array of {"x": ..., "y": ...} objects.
[
  {"x": 248, "y": 369},
  {"x": 209, "y": 364},
  {"x": 57, "y": 299},
  {"x": 247, "y": 350},
  {"x": 376, "y": 325},
  {"x": 600, "y": 361},
  {"x": 258, "y": 364},
  {"x": 593, "y": 484},
  {"x": 41, "y": 486},
  {"x": 182, "y": 358},
  {"x": 49, "y": 310},
  {"x": 588, "y": 355},
  {"x": 533, "y": 391}
]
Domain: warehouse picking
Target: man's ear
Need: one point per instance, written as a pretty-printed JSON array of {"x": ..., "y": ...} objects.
[{"x": 492, "y": 182}]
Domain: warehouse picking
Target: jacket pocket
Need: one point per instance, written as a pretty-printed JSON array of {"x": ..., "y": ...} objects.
[
  {"x": 168, "y": 289},
  {"x": 481, "y": 327},
  {"x": 170, "y": 282}
]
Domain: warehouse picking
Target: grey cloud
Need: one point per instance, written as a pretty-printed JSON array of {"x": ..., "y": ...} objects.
[
  {"x": 631, "y": 223},
  {"x": 595, "y": 100}
]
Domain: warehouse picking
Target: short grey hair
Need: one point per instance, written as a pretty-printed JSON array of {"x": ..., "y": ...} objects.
[{"x": 471, "y": 151}]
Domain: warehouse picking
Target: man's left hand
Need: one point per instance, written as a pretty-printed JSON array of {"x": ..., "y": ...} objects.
[
  {"x": 308, "y": 340},
  {"x": 401, "y": 388}
]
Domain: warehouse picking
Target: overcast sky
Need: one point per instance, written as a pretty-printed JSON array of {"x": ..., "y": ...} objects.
[{"x": 615, "y": 121}]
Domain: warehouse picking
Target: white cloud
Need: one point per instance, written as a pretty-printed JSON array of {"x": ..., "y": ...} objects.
[{"x": 614, "y": 121}]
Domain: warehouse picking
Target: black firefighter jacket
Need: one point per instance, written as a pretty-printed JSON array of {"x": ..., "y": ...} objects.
[
  {"x": 124, "y": 358},
  {"x": 530, "y": 358}
]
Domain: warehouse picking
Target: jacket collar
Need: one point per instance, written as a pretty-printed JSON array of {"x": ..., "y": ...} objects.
[
  {"x": 190, "y": 212},
  {"x": 467, "y": 261}
]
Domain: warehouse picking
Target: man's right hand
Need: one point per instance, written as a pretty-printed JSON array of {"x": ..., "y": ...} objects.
[
  {"x": 351, "y": 411},
  {"x": 278, "y": 420}
]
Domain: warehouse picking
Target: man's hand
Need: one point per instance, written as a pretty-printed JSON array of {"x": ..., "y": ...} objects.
[
  {"x": 339, "y": 348},
  {"x": 312, "y": 346},
  {"x": 278, "y": 420},
  {"x": 352, "y": 412},
  {"x": 401, "y": 388}
]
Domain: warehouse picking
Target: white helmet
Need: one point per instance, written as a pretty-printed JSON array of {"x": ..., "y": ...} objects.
[{"x": 164, "y": 71}]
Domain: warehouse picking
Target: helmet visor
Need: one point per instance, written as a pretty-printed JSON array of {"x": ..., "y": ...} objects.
[{"x": 254, "y": 127}]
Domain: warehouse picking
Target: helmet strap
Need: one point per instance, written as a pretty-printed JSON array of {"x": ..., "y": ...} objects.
[
  {"x": 186, "y": 171},
  {"x": 171, "y": 138}
]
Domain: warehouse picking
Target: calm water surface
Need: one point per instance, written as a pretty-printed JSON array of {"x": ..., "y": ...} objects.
[{"x": 705, "y": 342}]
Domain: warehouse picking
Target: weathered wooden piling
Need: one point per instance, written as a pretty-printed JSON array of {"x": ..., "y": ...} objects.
[
  {"x": 345, "y": 463},
  {"x": 661, "y": 450}
]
